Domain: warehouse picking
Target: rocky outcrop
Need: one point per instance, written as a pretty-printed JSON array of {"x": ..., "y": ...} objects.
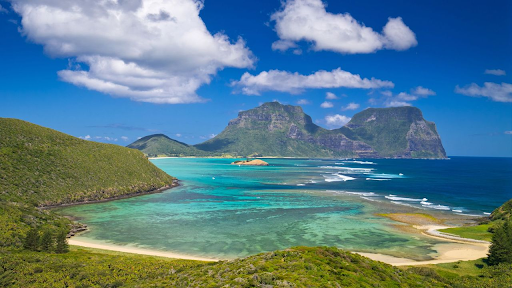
[{"x": 255, "y": 162}]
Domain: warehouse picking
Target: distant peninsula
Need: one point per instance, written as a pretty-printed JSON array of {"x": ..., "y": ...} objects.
[{"x": 277, "y": 130}]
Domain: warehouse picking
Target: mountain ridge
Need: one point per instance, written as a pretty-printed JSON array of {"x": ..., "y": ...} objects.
[{"x": 278, "y": 130}]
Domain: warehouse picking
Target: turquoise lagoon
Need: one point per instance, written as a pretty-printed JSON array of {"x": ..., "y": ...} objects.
[{"x": 226, "y": 211}]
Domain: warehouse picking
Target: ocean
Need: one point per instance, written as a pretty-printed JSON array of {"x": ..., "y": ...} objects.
[{"x": 226, "y": 211}]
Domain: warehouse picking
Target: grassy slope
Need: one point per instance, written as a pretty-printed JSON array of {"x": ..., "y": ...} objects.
[
  {"x": 481, "y": 232},
  {"x": 161, "y": 145},
  {"x": 41, "y": 167},
  {"x": 295, "y": 267}
]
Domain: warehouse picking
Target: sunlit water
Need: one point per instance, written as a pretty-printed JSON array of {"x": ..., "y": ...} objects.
[{"x": 226, "y": 211}]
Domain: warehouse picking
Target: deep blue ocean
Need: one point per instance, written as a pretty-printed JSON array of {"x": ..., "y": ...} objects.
[{"x": 227, "y": 211}]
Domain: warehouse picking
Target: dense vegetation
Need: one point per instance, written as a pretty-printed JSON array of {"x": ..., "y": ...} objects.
[
  {"x": 42, "y": 167},
  {"x": 501, "y": 247},
  {"x": 295, "y": 267}
]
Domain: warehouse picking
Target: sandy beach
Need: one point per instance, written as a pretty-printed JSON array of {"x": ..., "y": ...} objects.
[
  {"x": 450, "y": 252},
  {"x": 135, "y": 250}
]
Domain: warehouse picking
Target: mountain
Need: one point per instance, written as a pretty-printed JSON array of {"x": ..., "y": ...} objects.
[
  {"x": 399, "y": 132},
  {"x": 274, "y": 129},
  {"x": 42, "y": 167},
  {"x": 161, "y": 145}
]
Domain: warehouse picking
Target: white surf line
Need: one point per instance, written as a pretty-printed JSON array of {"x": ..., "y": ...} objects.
[{"x": 433, "y": 231}]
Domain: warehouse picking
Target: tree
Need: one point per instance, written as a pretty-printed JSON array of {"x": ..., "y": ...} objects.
[
  {"x": 62, "y": 243},
  {"x": 47, "y": 241},
  {"x": 501, "y": 247},
  {"x": 32, "y": 240}
]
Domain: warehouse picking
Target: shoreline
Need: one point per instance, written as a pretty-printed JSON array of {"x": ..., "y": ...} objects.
[
  {"x": 455, "y": 251},
  {"x": 175, "y": 183},
  {"x": 136, "y": 250}
]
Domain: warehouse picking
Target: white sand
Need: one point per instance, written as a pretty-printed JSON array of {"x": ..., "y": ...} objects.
[
  {"x": 447, "y": 253},
  {"x": 135, "y": 250},
  {"x": 461, "y": 249}
]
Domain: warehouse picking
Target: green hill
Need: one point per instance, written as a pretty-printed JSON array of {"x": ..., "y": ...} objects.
[
  {"x": 396, "y": 132},
  {"x": 503, "y": 212},
  {"x": 42, "y": 167},
  {"x": 274, "y": 129},
  {"x": 161, "y": 145},
  {"x": 294, "y": 267}
]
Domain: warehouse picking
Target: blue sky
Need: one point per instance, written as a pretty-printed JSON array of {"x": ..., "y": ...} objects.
[{"x": 185, "y": 69}]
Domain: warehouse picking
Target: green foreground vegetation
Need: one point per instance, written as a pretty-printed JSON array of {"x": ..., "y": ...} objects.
[
  {"x": 42, "y": 167},
  {"x": 294, "y": 267}
]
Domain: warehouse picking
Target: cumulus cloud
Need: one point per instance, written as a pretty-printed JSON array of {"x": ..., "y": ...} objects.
[
  {"x": 326, "y": 104},
  {"x": 124, "y": 138},
  {"x": 86, "y": 137},
  {"x": 494, "y": 91},
  {"x": 422, "y": 91},
  {"x": 303, "y": 102},
  {"x": 295, "y": 83},
  {"x": 178, "y": 135},
  {"x": 351, "y": 106},
  {"x": 336, "y": 120},
  {"x": 404, "y": 98},
  {"x": 157, "y": 51},
  {"x": 496, "y": 72},
  {"x": 308, "y": 20},
  {"x": 330, "y": 96}
]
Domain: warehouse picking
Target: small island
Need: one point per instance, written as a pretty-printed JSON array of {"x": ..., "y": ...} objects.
[{"x": 255, "y": 162}]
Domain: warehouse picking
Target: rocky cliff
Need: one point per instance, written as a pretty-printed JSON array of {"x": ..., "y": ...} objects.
[{"x": 274, "y": 129}]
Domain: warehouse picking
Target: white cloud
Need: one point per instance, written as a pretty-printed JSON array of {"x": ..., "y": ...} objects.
[
  {"x": 283, "y": 45},
  {"x": 295, "y": 83},
  {"x": 86, "y": 137},
  {"x": 508, "y": 132},
  {"x": 496, "y": 72},
  {"x": 326, "y": 104},
  {"x": 157, "y": 51},
  {"x": 330, "y": 96},
  {"x": 178, "y": 135},
  {"x": 497, "y": 92},
  {"x": 124, "y": 138},
  {"x": 303, "y": 102},
  {"x": 422, "y": 91},
  {"x": 336, "y": 120},
  {"x": 138, "y": 138},
  {"x": 396, "y": 103},
  {"x": 308, "y": 20},
  {"x": 351, "y": 106},
  {"x": 3, "y": 10},
  {"x": 210, "y": 136},
  {"x": 404, "y": 98}
]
